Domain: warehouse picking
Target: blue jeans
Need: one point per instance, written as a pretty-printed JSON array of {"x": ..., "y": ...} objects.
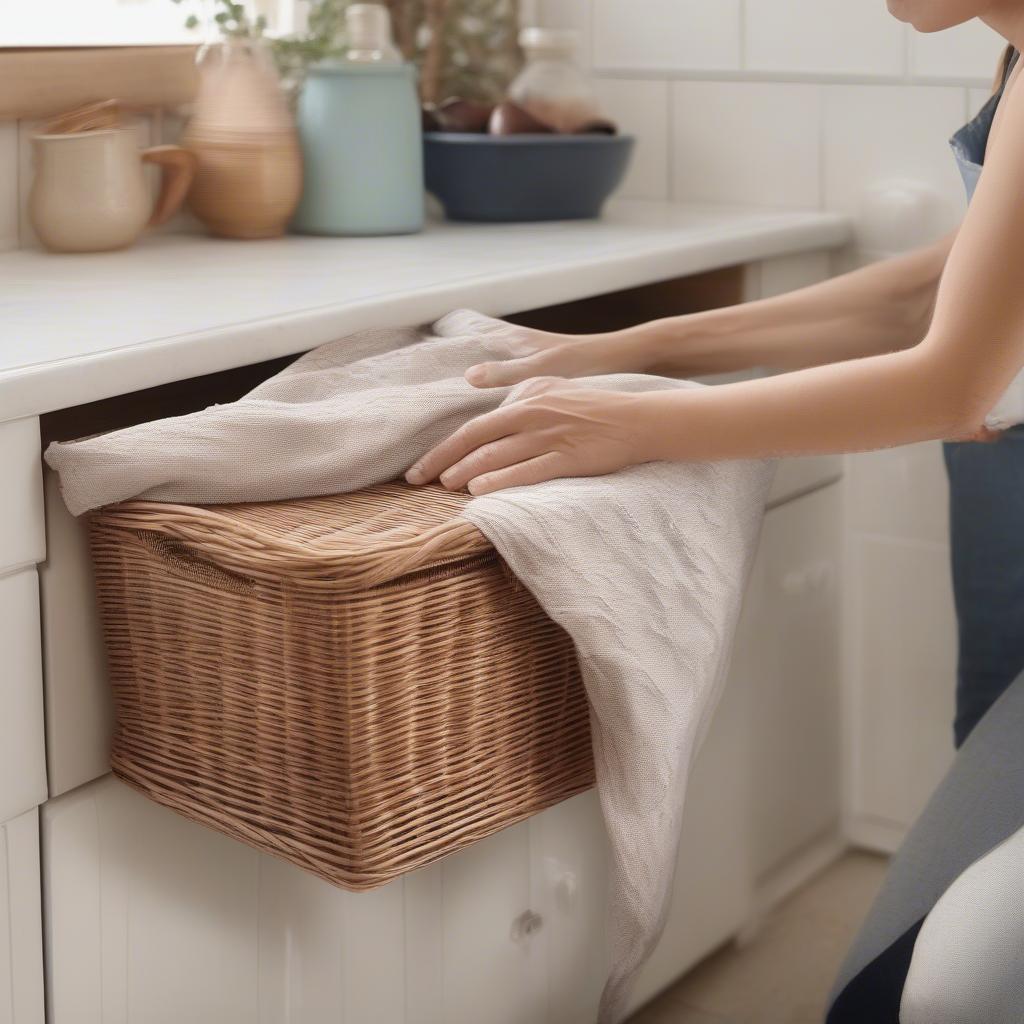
[{"x": 986, "y": 507}]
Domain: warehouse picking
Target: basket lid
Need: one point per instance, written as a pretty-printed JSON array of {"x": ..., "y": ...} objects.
[{"x": 362, "y": 538}]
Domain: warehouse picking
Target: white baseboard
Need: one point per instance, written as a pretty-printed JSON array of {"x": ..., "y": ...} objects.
[
  {"x": 874, "y": 834},
  {"x": 783, "y": 881}
]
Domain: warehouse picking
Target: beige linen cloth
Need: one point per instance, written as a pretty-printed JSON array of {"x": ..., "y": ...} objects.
[{"x": 644, "y": 568}]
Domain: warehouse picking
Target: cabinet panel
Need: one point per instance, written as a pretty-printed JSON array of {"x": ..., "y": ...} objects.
[
  {"x": 21, "y": 942},
  {"x": 788, "y": 650},
  {"x": 22, "y": 541},
  {"x": 569, "y": 877},
  {"x": 22, "y": 759},
  {"x": 79, "y": 719},
  {"x": 326, "y": 954},
  {"x": 152, "y": 919},
  {"x": 493, "y": 967}
]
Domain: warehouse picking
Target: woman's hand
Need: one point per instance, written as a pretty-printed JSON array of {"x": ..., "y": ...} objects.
[
  {"x": 552, "y": 428},
  {"x": 543, "y": 354}
]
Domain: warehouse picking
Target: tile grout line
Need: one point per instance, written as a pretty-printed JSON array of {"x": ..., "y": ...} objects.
[{"x": 747, "y": 74}]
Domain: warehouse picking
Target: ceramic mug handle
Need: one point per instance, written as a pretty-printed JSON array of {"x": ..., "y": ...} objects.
[{"x": 178, "y": 168}]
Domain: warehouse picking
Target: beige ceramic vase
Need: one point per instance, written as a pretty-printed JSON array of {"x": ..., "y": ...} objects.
[{"x": 249, "y": 175}]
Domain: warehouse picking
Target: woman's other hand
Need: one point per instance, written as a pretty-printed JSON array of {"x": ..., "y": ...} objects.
[
  {"x": 552, "y": 428},
  {"x": 543, "y": 354}
]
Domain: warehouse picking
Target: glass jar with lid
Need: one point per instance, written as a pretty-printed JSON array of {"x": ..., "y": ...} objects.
[{"x": 552, "y": 86}]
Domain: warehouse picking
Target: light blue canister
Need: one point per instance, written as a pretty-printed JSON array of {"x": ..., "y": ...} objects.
[{"x": 359, "y": 124}]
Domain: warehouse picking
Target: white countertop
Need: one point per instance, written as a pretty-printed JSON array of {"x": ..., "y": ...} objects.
[{"x": 75, "y": 329}]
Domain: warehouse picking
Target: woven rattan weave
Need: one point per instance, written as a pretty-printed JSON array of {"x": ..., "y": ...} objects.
[{"x": 355, "y": 683}]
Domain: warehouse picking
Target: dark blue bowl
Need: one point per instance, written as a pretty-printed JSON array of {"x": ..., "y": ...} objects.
[{"x": 524, "y": 177}]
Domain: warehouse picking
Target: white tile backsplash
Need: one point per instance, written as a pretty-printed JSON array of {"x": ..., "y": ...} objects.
[
  {"x": 976, "y": 99},
  {"x": 970, "y": 50},
  {"x": 746, "y": 142},
  {"x": 878, "y": 133},
  {"x": 666, "y": 34},
  {"x": 641, "y": 108},
  {"x": 574, "y": 14},
  {"x": 9, "y": 197},
  {"x": 823, "y": 36}
]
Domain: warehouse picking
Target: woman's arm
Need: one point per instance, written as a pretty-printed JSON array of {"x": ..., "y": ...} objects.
[
  {"x": 940, "y": 388},
  {"x": 943, "y": 387},
  {"x": 883, "y": 307}
]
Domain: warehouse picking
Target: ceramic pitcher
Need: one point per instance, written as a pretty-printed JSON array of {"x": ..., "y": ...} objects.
[{"x": 90, "y": 193}]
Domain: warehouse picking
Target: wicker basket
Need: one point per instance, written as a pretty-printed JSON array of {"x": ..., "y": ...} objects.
[{"x": 356, "y": 683}]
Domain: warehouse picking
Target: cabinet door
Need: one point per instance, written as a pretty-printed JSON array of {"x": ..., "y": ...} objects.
[
  {"x": 569, "y": 877},
  {"x": 492, "y": 963},
  {"x": 153, "y": 919},
  {"x": 79, "y": 719},
  {"x": 788, "y": 651},
  {"x": 21, "y": 941}
]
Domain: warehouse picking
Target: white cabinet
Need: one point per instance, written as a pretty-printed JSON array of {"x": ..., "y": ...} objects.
[
  {"x": 22, "y": 764},
  {"x": 153, "y": 920},
  {"x": 22, "y": 539},
  {"x": 21, "y": 943},
  {"x": 902, "y": 670},
  {"x": 788, "y": 655},
  {"x": 79, "y": 719},
  {"x": 492, "y": 964},
  {"x": 901, "y": 640}
]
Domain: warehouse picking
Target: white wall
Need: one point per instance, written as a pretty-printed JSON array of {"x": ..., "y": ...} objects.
[
  {"x": 812, "y": 103},
  {"x": 784, "y": 102}
]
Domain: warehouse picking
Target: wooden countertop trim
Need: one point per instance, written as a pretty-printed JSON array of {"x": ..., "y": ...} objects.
[{"x": 41, "y": 83}]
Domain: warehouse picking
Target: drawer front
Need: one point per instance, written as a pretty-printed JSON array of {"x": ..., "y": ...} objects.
[
  {"x": 80, "y": 717},
  {"x": 22, "y": 758},
  {"x": 21, "y": 939},
  {"x": 22, "y": 537}
]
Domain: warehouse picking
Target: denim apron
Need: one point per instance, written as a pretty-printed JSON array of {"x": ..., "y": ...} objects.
[{"x": 986, "y": 483}]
